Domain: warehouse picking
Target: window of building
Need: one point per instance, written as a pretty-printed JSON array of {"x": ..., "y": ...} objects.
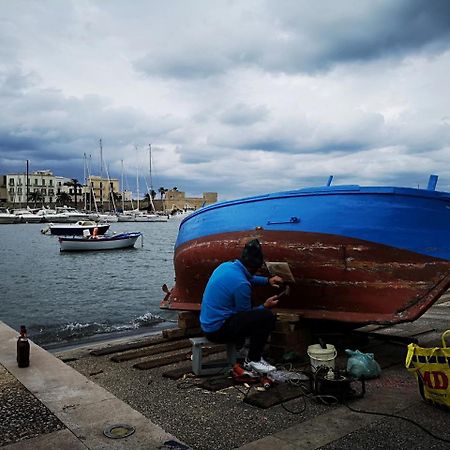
[
  {"x": 50, "y": 183},
  {"x": 44, "y": 191},
  {"x": 11, "y": 181},
  {"x": 11, "y": 190},
  {"x": 19, "y": 190},
  {"x": 43, "y": 182},
  {"x": 35, "y": 181},
  {"x": 50, "y": 199}
]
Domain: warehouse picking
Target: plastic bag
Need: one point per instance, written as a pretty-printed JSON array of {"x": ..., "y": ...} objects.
[
  {"x": 362, "y": 365},
  {"x": 431, "y": 367}
]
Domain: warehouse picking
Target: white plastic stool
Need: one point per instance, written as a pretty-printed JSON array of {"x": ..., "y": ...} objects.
[{"x": 212, "y": 367}]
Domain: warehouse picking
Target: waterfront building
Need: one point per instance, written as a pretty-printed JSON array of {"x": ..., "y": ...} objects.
[
  {"x": 41, "y": 182},
  {"x": 99, "y": 190},
  {"x": 177, "y": 200}
]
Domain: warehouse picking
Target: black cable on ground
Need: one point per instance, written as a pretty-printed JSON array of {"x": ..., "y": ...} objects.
[{"x": 398, "y": 417}]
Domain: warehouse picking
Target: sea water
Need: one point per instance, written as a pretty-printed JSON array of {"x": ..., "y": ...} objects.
[{"x": 65, "y": 297}]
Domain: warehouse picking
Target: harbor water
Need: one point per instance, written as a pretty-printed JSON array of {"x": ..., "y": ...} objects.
[{"x": 70, "y": 297}]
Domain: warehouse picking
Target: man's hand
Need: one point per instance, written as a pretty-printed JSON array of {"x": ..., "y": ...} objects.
[
  {"x": 271, "y": 302},
  {"x": 275, "y": 281}
]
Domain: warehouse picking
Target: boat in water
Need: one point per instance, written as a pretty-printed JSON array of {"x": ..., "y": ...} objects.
[
  {"x": 7, "y": 217},
  {"x": 357, "y": 254},
  {"x": 105, "y": 242},
  {"x": 76, "y": 229}
]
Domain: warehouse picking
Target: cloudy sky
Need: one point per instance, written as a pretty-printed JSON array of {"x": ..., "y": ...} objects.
[{"x": 240, "y": 97}]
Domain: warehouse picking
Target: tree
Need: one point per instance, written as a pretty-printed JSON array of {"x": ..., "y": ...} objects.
[
  {"x": 35, "y": 197},
  {"x": 162, "y": 191},
  {"x": 75, "y": 184},
  {"x": 63, "y": 198}
]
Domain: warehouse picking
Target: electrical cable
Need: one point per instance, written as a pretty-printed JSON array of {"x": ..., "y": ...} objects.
[{"x": 398, "y": 417}]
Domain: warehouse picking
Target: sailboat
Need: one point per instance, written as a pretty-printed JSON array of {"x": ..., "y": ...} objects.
[{"x": 137, "y": 215}]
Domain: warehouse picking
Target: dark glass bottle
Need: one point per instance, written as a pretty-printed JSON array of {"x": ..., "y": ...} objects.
[{"x": 23, "y": 348}]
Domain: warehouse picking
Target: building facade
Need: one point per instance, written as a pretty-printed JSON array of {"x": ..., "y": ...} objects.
[
  {"x": 175, "y": 199},
  {"x": 99, "y": 191},
  {"x": 42, "y": 187}
]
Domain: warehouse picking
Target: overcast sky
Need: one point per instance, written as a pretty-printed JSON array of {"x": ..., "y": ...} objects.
[{"x": 239, "y": 97}]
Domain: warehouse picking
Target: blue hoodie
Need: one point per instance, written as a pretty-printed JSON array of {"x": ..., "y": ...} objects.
[{"x": 228, "y": 291}]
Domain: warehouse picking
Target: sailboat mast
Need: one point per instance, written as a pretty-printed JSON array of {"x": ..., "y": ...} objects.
[
  {"x": 85, "y": 181},
  {"x": 137, "y": 182},
  {"x": 101, "y": 174},
  {"x": 122, "y": 192},
  {"x": 150, "y": 198}
]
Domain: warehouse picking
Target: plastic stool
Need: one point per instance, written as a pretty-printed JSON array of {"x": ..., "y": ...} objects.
[{"x": 213, "y": 367}]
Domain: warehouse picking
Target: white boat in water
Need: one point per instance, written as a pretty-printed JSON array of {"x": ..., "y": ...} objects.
[
  {"x": 141, "y": 216},
  {"x": 76, "y": 229},
  {"x": 110, "y": 218},
  {"x": 90, "y": 243},
  {"x": 6, "y": 216},
  {"x": 72, "y": 214},
  {"x": 26, "y": 216}
]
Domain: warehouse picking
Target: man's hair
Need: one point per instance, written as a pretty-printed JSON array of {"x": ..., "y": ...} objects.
[{"x": 252, "y": 255}]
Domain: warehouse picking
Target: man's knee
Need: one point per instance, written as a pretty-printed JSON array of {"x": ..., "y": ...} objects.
[{"x": 268, "y": 317}]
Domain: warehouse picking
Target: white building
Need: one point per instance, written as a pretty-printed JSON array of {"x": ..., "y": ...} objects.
[{"x": 44, "y": 182}]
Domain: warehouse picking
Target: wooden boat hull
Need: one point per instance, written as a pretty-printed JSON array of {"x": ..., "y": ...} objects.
[
  {"x": 336, "y": 278},
  {"x": 358, "y": 254}
]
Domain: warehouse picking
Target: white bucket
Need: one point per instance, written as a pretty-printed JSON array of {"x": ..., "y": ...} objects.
[{"x": 322, "y": 356}]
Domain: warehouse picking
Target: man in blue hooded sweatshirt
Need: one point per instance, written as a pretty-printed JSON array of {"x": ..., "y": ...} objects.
[{"x": 226, "y": 310}]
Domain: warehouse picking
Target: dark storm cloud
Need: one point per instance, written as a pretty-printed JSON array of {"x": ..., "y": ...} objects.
[{"x": 301, "y": 36}]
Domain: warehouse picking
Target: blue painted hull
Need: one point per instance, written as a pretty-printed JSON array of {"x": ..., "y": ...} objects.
[
  {"x": 409, "y": 219},
  {"x": 358, "y": 254}
]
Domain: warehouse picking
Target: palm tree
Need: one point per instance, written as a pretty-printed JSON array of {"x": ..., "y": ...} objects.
[
  {"x": 75, "y": 184},
  {"x": 35, "y": 197},
  {"x": 63, "y": 198},
  {"x": 162, "y": 192}
]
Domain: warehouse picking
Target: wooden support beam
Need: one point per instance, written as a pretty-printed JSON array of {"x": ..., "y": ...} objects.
[
  {"x": 169, "y": 359},
  {"x": 153, "y": 350}
]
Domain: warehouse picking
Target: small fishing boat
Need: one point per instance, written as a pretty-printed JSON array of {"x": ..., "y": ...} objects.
[
  {"x": 357, "y": 254},
  {"x": 105, "y": 242},
  {"x": 76, "y": 229}
]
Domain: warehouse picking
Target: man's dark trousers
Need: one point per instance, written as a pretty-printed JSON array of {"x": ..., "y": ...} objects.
[{"x": 256, "y": 324}]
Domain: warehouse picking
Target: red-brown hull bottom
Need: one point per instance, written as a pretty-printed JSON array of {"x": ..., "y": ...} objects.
[{"x": 337, "y": 278}]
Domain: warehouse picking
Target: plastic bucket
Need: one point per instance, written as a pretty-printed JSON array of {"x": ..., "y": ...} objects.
[{"x": 322, "y": 356}]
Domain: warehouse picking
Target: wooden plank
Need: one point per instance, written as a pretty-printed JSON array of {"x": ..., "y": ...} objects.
[
  {"x": 181, "y": 332},
  {"x": 274, "y": 396},
  {"x": 176, "y": 374},
  {"x": 218, "y": 383},
  {"x": 153, "y": 350},
  {"x": 129, "y": 346},
  {"x": 170, "y": 359}
]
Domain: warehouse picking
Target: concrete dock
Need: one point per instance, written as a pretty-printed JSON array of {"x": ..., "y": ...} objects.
[
  {"x": 195, "y": 419},
  {"x": 84, "y": 408}
]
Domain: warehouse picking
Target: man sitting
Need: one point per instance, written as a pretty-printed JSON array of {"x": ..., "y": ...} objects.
[{"x": 226, "y": 310}]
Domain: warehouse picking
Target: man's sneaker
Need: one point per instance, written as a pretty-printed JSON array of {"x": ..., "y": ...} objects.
[{"x": 260, "y": 366}]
